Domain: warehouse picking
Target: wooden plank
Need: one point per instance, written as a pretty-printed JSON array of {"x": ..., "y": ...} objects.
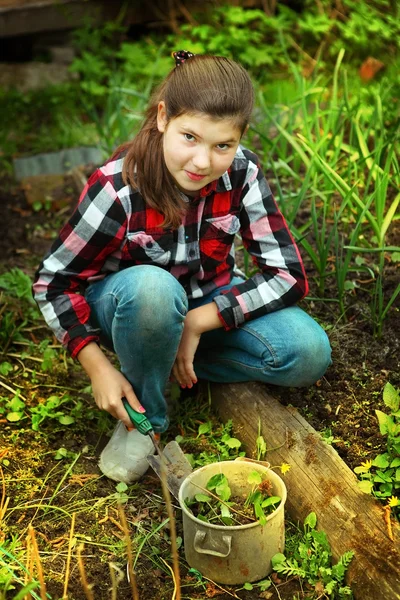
[
  {"x": 318, "y": 481},
  {"x": 47, "y": 15}
]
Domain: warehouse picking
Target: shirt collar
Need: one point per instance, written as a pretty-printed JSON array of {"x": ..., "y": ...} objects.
[{"x": 223, "y": 184}]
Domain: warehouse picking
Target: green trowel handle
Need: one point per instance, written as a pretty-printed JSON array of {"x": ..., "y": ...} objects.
[{"x": 139, "y": 420}]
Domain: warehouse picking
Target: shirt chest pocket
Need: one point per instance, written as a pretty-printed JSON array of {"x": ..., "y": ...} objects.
[
  {"x": 148, "y": 247},
  {"x": 217, "y": 234}
]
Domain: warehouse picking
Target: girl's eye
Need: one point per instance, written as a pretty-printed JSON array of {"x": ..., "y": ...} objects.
[
  {"x": 223, "y": 146},
  {"x": 188, "y": 137}
]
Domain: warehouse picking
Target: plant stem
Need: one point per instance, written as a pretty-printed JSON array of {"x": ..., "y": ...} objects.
[
  {"x": 220, "y": 500},
  {"x": 71, "y": 534},
  {"x": 10, "y": 389},
  {"x": 82, "y": 572}
]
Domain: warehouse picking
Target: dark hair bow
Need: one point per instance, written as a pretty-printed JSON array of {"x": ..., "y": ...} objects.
[{"x": 180, "y": 56}]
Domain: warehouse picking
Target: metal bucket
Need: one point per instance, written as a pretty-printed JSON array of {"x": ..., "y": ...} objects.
[{"x": 232, "y": 554}]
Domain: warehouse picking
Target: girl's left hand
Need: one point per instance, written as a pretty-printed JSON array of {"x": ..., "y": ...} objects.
[
  {"x": 183, "y": 370},
  {"x": 198, "y": 321}
]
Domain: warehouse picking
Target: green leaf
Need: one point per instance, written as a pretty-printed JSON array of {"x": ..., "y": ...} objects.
[
  {"x": 66, "y": 420},
  {"x": 271, "y": 500},
  {"x": 202, "y": 518},
  {"x": 261, "y": 446},
  {"x": 265, "y": 584},
  {"x": 259, "y": 513},
  {"x": 365, "y": 486},
  {"x": 395, "y": 462},
  {"x": 383, "y": 420},
  {"x": 383, "y": 476},
  {"x": 5, "y": 368},
  {"x": 26, "y": 589},
  {"x": 204, "y": 428},
  {"x": 195, "y": 573},
  {"x": 121, "y": 487},
  {"x": 225, "y": 512},
  {"x": 248, "y": 586},
  {"x": 311, "y": 520},
  {"x": 391, "y": 397},
  {"x": 223, "y": 491},
  {"x": 216, "y": 480},
  {"x": 61, "y": 453},
  {"x": 202, "y": 498},
  {"x": 16, "y": 404},
  {"x": 361, "y": 469},
  {"x": 277, "y": 559},
  {"x": 233, "y": 443},
  {"x": 13, "y": 417},
  {"x": 254, "y": 477},
  {"x": 381, "y": 461}
]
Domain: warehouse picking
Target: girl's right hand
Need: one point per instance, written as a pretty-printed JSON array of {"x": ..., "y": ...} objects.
[
  {"x": 108, "y": 384},
  {"x": 108, "y": 390}
]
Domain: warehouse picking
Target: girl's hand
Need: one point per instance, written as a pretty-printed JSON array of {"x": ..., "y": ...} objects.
[
  {"x": 198, "y": 320},
  {"x": 183, "y": 370},
  {"x": 108, "y": 384},
  {"x": 109, "y": 387}
]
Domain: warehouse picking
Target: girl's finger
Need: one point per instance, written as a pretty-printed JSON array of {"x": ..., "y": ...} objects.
[
  {"x": 189, "y": 374},
  {"x": 180, "y": 373},
  {"x": 133, "y": 401}
]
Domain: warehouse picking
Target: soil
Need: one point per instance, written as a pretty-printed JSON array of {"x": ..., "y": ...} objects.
[{"x": 342, "y": 404}]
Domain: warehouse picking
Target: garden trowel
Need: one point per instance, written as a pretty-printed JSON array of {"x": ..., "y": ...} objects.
[
  {"x": 174, "y": 463},
  {"x": 170, "y": 460}
]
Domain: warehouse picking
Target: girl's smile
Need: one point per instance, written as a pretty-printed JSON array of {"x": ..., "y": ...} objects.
[
  {"x": 194, "y": 177},
  {"x": 198, "y": 149}
]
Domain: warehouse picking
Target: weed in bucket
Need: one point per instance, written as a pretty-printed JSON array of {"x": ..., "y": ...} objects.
[{"x": 219, "y": 506}]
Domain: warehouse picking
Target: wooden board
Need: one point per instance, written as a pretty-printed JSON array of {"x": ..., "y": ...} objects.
[{"x": 318, "y": 481}]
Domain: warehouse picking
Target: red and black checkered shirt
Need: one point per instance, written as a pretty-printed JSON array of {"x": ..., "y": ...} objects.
[{"x": 112, "y": 228}]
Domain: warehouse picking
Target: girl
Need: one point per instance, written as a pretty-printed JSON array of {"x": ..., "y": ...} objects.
[{"x": 145, "y": 266}]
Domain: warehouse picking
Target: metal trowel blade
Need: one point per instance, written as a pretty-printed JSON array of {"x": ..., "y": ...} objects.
[{"x": 175, "y": 464}]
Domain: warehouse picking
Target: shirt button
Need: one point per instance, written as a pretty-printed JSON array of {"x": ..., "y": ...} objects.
[
  {"x": 149, "y": 245},
  {"x": 192, "y": 252}
]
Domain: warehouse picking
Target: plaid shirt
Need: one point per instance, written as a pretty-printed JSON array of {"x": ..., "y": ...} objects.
[{"x": 112, "y": 228}]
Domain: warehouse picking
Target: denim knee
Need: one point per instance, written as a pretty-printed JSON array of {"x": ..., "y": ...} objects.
[
  {"x": 156, "y": 296},
  {"x": 310, "y": 358}
]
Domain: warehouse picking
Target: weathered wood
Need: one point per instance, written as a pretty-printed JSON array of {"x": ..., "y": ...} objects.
[{"x": 318, "y": 481}]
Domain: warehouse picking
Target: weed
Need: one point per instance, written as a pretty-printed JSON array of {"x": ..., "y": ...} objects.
[
  {"x": 328, "y": 436},
  {"x": 212, "y": 442},
  {"x": 311, "y": 559},
  {"x": 218, "y": 507},
  {"x": 12, "y": 409},
  {"x": 381, "y": 476}
]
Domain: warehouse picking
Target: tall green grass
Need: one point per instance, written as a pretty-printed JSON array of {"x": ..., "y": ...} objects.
[{"x": 335, "y": 161}]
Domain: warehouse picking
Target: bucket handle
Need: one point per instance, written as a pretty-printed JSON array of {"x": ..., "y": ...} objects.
[{"x": 198, "y": 545}]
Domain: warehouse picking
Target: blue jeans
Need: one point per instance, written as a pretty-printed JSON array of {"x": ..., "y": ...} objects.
[{"x": 141, "y": 311}]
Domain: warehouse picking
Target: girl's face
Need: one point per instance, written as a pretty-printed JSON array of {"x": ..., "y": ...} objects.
[{"x": 197, "y": 148}]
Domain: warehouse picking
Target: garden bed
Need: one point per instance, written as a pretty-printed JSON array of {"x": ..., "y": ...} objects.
[{"x": 46, "y": 492}]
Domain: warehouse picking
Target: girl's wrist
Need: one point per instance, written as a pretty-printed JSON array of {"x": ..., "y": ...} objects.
[
  {"x": 204, "y": 318},
  {"x": 93, "y": 360}
]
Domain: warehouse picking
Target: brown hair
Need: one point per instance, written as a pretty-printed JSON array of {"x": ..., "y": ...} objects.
[{"x": 213, "y": 85}]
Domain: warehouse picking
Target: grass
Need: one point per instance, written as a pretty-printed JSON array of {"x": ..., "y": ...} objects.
[{"x": 342, "y": 159}]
